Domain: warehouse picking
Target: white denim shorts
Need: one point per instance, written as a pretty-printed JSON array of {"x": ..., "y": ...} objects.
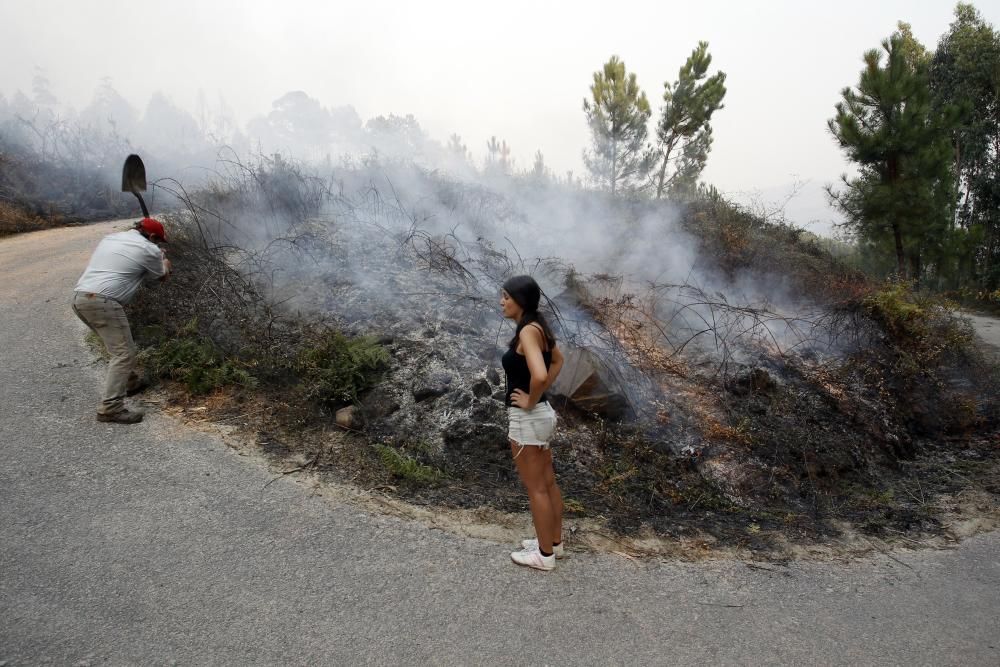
[{"x": 531, "y": 427}]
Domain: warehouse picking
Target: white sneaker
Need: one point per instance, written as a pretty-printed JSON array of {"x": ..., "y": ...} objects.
[
  {"x": 532, "y": 545},
  {"x": 534, "y": 559}
]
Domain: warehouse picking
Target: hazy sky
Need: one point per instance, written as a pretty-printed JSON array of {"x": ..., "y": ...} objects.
[{"x": 519, "y": 71}]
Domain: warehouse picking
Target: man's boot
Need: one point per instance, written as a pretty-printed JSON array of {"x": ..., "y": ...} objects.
[{"x": 123, "y": 416}]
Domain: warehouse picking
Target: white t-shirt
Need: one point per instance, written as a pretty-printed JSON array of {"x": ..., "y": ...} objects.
[{"x": 119, "y": 265}]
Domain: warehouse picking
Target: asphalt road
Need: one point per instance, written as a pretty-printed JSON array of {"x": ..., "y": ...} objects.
[
  {"x": 155, "y": 544},
  {"x": 987, "y": 328}
]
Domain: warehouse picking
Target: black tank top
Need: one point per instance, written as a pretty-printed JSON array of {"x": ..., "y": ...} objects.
[{"x": 515, "y": 366}]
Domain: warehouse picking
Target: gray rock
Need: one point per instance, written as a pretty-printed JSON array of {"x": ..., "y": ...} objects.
[
  {"x": 481, "y": 389},
  {"x": 464, "y": 435},
  {"x": 425, "y": 391},
  {"x": 486, "y": 412},
  {"x": 436, "y": 385},
  {"x": 460, "y": 400},
  {"x": 379, "y": 404}
]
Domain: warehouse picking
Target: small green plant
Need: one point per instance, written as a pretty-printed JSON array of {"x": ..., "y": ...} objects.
[
  {"x": 573, "y": 505},
  {"x": 884, "y": 497},
  {"x": 194, "y": 361},
  {"x": 917, "y": 323},
  {"x": 898, "y": 309},
  {"x": 406, "y": 467},
  {"x": 339, "y": 368},
  {"x": 423, "y": 447}
]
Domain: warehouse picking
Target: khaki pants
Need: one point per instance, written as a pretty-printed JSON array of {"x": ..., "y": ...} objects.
[{"x": 107, "y": 319}]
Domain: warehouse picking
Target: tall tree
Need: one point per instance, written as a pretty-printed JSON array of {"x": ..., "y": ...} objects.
[
  {"x": 539, "y": 172},
  {"x": 683, "y": 133},
  {"x": 690, "y": 163},
  {"x": 458, "y": 148},
  {"x": 398, "y": 136},
  {"x": 168, "y": 128},
  {"x": 965, "y": 72},
  {"x": 899, "y": 142},
  {"x": 617, "y": 113},
  {"x": 109, "y": 109},
  {"x": 498, "y": 160},
  {"x": 41, "y": 89},
  {"x": 297, "y": 123}
]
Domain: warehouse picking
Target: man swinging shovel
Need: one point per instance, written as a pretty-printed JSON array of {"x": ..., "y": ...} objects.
[{"x": 119, "y": 265}]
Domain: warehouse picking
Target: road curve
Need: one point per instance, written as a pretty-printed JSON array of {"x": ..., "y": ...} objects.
[{"x": 156, "y": 544}]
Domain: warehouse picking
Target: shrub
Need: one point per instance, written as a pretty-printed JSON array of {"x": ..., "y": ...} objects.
[
  {"x": 406, "y": 467},
  {"x": 923, "y": 363},
  {"x": 339, "y": 368},
  {"x": 916, "y": 322},
  {"x": 14, "y": 219},
  {"x": 897, "y": 311},
  {"x": 737, "y": 239},
  {"x": 195, "y": 362}
]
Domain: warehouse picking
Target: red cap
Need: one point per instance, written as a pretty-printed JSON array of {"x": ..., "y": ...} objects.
[{"x": 152, "y": 226}]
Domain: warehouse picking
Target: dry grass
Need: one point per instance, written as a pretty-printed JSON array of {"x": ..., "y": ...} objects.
[{"x": 16, "y": 220}]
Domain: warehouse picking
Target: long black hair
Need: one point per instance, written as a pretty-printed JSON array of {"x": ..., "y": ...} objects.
[{"x": 526, "y": 293}]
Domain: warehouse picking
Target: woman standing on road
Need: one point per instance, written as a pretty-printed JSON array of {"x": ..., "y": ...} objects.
[{"x": 532, "y": 362}]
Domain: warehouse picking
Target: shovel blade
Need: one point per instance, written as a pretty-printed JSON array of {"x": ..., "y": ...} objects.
[{"x": 133, "y": 175}]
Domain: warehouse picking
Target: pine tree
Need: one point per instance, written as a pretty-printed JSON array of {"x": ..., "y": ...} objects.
[
  {"x": 498, "y": 159},
  {"x": 683, "y": 183},
  {"x": 458, "y": 148},
  {"x": 538, "y": 170},
  {"x": 617, "y": 114},
  {"x": 492, "y": 151},
  {"x": 506, "y": 161},
  {"x": 683, "y": 133},
  {"x": 903, "y": 192}
]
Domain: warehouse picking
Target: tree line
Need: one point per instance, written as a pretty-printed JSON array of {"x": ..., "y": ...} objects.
[
  {"x": 923, "y": 130},
  {"x": 921, "y": 127}
]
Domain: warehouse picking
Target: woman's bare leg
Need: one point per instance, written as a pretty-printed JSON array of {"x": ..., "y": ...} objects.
[{"x": 530, "y": 462}]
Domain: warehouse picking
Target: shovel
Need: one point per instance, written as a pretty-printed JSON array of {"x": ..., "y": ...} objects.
[{"x": 134, "y": 180}]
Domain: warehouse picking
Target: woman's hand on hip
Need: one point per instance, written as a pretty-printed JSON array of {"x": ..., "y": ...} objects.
[{"x": 521, "y": 400}]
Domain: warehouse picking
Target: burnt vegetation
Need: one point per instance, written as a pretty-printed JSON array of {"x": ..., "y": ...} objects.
[
  {"x": 728, "y": 379},
  {"x": 349, "y": 319},
  {"x": 55, "y": 172}
]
